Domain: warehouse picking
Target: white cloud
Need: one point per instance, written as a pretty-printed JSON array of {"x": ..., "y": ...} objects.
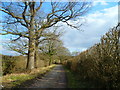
[
  {"x": 103, "y": 2},
  {"x": 100, "y": 2},
  {"x": 97, "y": 25}
]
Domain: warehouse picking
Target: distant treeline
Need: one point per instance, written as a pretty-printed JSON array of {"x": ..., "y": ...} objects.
[{"x": 101, "y": 63}]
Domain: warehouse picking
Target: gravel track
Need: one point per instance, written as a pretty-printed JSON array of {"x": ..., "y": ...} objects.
[{"x": 56, "y": 78}]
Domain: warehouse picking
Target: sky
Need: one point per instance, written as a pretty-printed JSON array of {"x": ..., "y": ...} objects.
[{"x": 101, "y": 17}]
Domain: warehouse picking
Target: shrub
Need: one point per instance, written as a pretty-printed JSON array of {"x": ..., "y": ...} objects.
[
  {"x": 101, "y": 62},
  {"x": 8, "y": 64}
]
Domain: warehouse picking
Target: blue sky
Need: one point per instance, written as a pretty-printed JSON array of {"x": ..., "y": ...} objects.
[{"x": 102, "y": 16}]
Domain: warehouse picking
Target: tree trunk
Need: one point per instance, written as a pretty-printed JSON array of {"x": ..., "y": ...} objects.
[
  {"x": 36, "y": 55},
  {"x": 31, "y": 52},
  {"x": 50, "y": 60},
  {"x": 27, "y": 63},
  {"x": 31, "y": 48}
]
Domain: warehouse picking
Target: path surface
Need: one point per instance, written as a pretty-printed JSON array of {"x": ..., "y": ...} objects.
[{"x": 56, "y": 78}]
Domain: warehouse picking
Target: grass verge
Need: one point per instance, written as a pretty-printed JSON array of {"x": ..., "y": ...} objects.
[
  {"x": 74, "y": 80},
  {"x": 13, "y": 80}
]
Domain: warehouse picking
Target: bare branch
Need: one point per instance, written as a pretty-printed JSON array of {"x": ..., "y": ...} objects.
[
  {"x": 14, "y": 33},
  {"x": 12, "y": 14},
  {"x": 17, "y": 38},
  {"x": 24, "y": 12},
  {"x": 39, "y": 5}
]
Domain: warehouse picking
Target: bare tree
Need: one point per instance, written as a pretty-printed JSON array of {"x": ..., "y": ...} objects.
[
  {"x": 46, "y": 36},
  {"x": 50, "y": 47},
  {"x": 26, "y": 13},
  {"x": 21, "y": 45}
]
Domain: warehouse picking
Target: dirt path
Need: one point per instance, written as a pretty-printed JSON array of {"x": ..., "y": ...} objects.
[{"x": 56, "y": 78}]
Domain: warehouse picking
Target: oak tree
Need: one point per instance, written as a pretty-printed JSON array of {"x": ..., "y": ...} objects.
[{"x": 22, "y": 16}]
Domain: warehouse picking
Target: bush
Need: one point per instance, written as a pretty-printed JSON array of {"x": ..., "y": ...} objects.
[
  {"x": 100, "y": 63},
  {"x": 8, "y": 64}
]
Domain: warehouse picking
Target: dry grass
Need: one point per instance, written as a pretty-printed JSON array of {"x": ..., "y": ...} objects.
[{"x": 12, "y": 80}]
